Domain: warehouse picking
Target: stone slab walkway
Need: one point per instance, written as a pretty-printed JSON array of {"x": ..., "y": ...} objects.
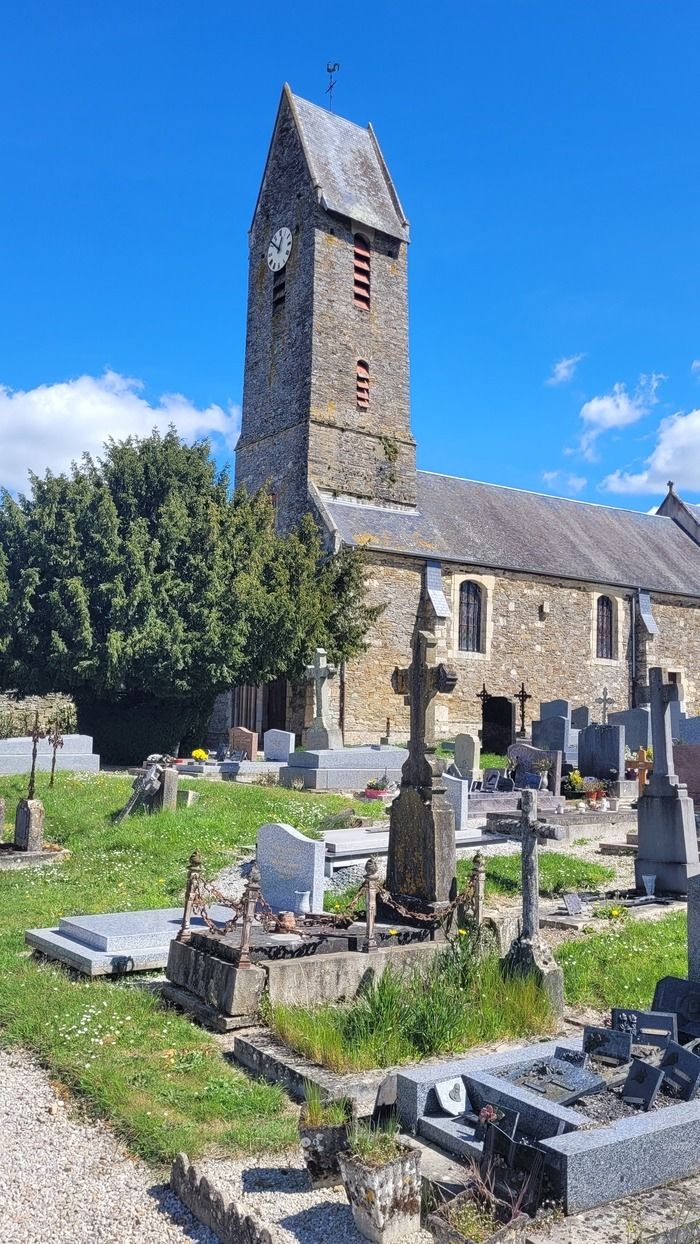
[{"x": 70, "y": 1181}]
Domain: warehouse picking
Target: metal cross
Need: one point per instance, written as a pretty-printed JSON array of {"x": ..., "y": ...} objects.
[
  {"x": 522, "y": 697},
  {"x": 605, "y": 702},
  {"x": 483, "y": 695},
  {"x": 35, "y": 736}
]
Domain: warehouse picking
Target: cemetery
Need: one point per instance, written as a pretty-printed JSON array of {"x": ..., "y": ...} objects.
[{"x": 423, "y": 994}]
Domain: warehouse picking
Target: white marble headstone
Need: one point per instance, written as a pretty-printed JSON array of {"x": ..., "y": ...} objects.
[
  {"x": 467, "y": 754},
  {"x": 290, "y": 864}
]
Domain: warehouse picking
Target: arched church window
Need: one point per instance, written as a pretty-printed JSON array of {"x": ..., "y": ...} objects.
[
  {"x": 362, "y": 384},
  {"x": 361, "y": 272},
  {"x": 604, "y": 628},
  {"x": 470, "y": 611}
]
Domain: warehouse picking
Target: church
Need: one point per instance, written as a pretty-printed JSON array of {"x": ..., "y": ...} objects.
[{"x": 531, "y": 594}]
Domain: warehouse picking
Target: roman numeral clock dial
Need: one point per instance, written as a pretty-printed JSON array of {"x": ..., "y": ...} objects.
[{"x": 279, "y": 250}]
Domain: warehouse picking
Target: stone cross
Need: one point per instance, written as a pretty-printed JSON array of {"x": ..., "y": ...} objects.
[
  {"x": 528, "y": 954},
  {"x": 660, "y": 696},
  {"x": 419, "y": 684},
  {"x": 322, "y": 733},
  {"x": 605, "y": 703}
]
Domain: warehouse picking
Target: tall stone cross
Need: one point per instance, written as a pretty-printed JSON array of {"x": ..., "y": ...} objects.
[
  {"x": 322, "y": 733},
  {"x": 528, "y": 954},
  {"x": 660, "y": 696},
  {"x": 605, "y": 703},
  {"x": 419, "y": 684},
  {"x": 421, "y": 856}
]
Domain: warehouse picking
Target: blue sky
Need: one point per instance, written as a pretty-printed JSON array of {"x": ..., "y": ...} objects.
[{"x": 546, "y": 155}]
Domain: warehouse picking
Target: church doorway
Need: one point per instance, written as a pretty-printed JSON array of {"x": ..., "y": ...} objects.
[{"x": 497, "y": 724}]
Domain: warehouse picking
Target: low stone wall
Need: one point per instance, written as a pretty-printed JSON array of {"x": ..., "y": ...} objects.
[
  {"x": 686, "y": 762},
  {"x": 339, "y": 977},
  {"x": 230, "y": 1224}
]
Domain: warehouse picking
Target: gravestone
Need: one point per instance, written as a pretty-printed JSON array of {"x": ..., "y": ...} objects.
[
  {"x": 421, "y": 860},
  {"x": 642, "y": 1084},
  {"x": 668, "y": 844},
  {"x": 278, "y": 745},
  {"x": 573, "y": 904},
  {"x": 555, "y": 708},
  {"x": 689, "y": 729},
  {"x": 168, "y": 791},
  {"x": 498, "y": 724},
  {"x": 529, "y": 953},
  {"x": 75, "y": 754},
  {"x": 682, "y": 997},
  {"x": 607, "y": 1044},
  {"x": 29, "y": 825},
  {"x": 242, "y": 740},
  {"x": 637, "y": 723},
  {"x": 551, "y": 734},
  {"x": 467, "y": 754},
  {"x": 323, "y": 732},
  {"x": 580, "y": 717},
  {"x": 290, "y": 865},
  {"x": 527, "y": 761},
  {"x": 601, "y": 752}
]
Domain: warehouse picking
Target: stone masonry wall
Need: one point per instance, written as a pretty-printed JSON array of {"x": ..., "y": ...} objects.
[
  {"x": 540, "y": 631},
  {"x": 676, "y": 648}
]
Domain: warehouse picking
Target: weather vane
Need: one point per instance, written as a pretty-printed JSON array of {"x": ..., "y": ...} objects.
[{"x": 331, "y": 68}]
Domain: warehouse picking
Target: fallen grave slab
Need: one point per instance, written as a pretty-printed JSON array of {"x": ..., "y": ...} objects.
[
  {"x": 113, "y": 943},
  {"x": 669, "y": 1215}
]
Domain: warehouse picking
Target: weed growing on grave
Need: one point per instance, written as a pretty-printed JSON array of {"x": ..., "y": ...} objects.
[
  {"x": 158, "y": 1078},
  {"x": 374, "y": 1144},
  {"x": 622, "y": 964},
  {"x": 457, "y": 1002}
]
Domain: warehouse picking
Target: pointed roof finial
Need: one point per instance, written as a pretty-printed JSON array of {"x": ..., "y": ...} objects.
[{"x": 670, "y": 483}]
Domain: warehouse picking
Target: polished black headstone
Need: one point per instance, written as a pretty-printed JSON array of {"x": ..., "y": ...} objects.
[
  {"x": 647, "y": 1027},
  {"x": 607, "y": 1044},
  {"x": 682, "y": 1071},
  {"x": 682, "y": 997}
]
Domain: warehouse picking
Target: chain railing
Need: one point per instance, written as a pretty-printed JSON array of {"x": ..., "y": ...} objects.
[{"x": 253, "y": 906}]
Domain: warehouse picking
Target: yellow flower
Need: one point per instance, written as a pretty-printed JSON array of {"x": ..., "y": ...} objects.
[
  {"x": 393, "y": 932},
  {"x": 462, "y": 932}
]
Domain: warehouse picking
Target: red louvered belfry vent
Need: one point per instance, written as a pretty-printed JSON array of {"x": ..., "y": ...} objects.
[
  {"x": 361, "y": 272},
  {"x": 362, "y": 384}
]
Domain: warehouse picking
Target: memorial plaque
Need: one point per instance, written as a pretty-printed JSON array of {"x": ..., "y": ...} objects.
[
  {"x": 573, "y": 904},
  {"x": 682, "y": 997},
  {"x": 452, "y": 1096},
  {"x": 682, "y": 1071},
  {"x": 607, "y": 1045},
  {"x": 642, "y": 1084},
  {"x": 646, "y": 1027}
]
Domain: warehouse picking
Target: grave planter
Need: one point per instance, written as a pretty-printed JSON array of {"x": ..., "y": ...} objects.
[
  {"x": 443, "y": 1229},
  {"x": 320, "y": 1146},
  {"x": 371, "y": 792},
  {"x": 385, "y": 1200}
]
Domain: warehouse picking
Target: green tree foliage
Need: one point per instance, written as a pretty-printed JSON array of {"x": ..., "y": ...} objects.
[{"x": 140, "y": 585}]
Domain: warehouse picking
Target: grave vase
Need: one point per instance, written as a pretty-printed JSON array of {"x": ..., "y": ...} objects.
[
  {"x": 444, "y": 1228},
  {"x": 320, "y": 1145},
  {"x": 385, "y": 1200}
]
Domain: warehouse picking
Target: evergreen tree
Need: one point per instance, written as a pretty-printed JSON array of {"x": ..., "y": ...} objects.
[{"x": 140, "y": 585}]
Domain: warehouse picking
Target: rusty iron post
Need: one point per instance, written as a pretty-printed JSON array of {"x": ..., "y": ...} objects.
[
  {"x": 370, "y": 887},
  {"x": 194, "y": 873},
  {"x": 479, "y": 881},
  {"x": 250, "y": 902}
]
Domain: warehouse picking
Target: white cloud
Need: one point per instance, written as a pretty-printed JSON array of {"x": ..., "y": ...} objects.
[
  {"x": 575, "y": 483},
  {"x": 550, "y": 476},
  {"x": 617, "y": 409},
  {"x": 676, "y": 456},
  {"x": 695, "y": 366},
  {"x": 567, "y": 483},
  {"x": 54, "y": 424},
  {"x": 564, "y": 370}
]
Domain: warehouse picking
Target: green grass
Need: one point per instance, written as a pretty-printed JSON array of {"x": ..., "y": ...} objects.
[
  {"x": 455, "y": 1004},
  {"x": 153, "y": 1073},
  {"x": 491, "y": 760},
  {"x": 621, "y": 967},
  {"x": 558, "y": 873}
]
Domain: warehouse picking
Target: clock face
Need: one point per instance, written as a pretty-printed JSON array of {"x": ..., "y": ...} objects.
[{"x": 280, "y": 248}]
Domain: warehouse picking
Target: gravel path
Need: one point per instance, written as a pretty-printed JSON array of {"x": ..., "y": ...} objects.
[{"x": 72, "y": 1182}]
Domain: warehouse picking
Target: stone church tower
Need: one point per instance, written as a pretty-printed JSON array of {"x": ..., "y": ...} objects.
[{"x": 326, "y": 394}]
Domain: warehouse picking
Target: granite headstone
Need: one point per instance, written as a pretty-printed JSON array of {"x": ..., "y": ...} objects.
[
  {"x": 290, "y": 865},
  {"x": 601, "y": 752},
  {"x": 278, "y": 745}
]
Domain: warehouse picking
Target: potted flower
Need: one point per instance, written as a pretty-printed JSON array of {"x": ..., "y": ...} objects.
[
  {"x": 381, "y": 1175},
  {"x": 323, "y": 1134},
  {"x": 377, "y": 788},
  {"x": 200, "y": 755}
]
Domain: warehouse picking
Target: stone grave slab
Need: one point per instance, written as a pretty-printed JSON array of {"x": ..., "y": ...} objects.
[
  {"x": 29, "y": 825},
  {"x": 646, "y": 1027},
  {"x": 673, "y": 993},
  {"x": 682, "y": 1071},
  {"x": 642, "y": 1084},
  {"x": 557, "y": 1079},
  {"x": 606, "y": 1044},
  {"x": 76, "y": 754},
  {"x": 457, "y": 792},
  {"x": 113, "y": 943},
  {"x": 278, "y": 745},
  {"x": 291, "y": 865},
  {"x": 347, "y": 768},
  {"x": 694, "y": 928}
]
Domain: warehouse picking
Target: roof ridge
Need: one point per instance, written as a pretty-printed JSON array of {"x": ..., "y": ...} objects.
[
  {"x": 335, "y": 115},
  {"x": 548, "y": 496}
]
